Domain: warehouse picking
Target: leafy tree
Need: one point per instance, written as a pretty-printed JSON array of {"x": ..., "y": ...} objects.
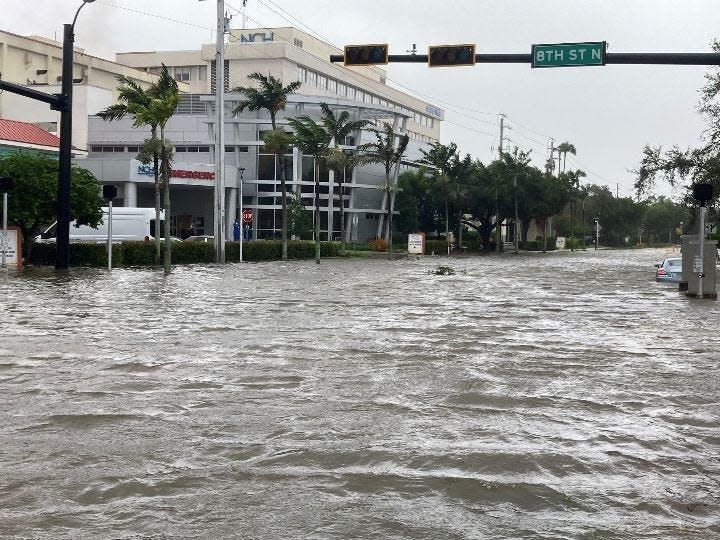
[
  {"x": 662, "y": 219},
  {"x": 387, "y": 153},
  {"x": 416, "y": 208},
  {"x": 32, "y": 202},
  {"x": 272, "y": 97},
  {"x": 441, "y": 157},
  {"x": 299, "y": 220},
  {"x": 314, "y": 140},
  {"x": 694, "y": 165}
]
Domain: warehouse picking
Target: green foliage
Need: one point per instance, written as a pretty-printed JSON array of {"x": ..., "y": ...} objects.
[
  {"x": 439, "y": 247},
  {"x": 299, "y": 219},
  {"x": 143, "y": 253},
  {"x": 537, "y": 245},
  {"x": 32, "y": 203},
  {"x": 271, "y": 95},
  {"x": 139, "y": 253}
]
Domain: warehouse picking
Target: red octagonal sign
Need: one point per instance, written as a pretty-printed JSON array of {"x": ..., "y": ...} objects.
[{"x": 247, "y": 215}]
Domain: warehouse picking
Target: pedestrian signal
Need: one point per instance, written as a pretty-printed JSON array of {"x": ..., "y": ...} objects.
[
  {"x": 451, "y": 55},
  {"x": 366, "y": 55}
]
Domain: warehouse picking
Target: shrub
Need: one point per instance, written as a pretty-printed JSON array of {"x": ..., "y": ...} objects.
[
  {"x": 138, "y": 253},
  {"x": 439, "y": 247},
  {"x": 143, "y": 253},
  {"x": 378, "y": 244}
]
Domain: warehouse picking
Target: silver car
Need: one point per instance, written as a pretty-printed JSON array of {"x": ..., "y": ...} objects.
[{"x": 669, "y": 270}]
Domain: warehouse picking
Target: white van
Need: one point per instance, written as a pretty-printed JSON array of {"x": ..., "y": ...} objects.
[{"x": 129, "y": 223}]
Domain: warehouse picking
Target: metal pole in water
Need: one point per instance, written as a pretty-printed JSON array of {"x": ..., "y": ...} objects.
[
  {"x": 4, "y": 229},
  {"x": 701, "y": 252},
  {"x": 109, "y": 238}
]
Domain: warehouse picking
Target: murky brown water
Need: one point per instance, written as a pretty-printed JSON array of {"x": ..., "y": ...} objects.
[{"x": 557, "y": 396}]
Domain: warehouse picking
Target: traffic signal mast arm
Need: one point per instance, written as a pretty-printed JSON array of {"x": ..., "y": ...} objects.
[{"x": 687, "y": 59}]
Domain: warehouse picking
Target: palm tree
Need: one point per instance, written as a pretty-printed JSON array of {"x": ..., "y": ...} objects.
[
  {"x": 342, "y": 163},
  {"x": 564, "y": 149},
  {"x": 272, "y": 97},
  {"x": 441, "y": 157},
  {"x": 314, "y": 140},
  {"x": 134, "y": 100},
  {"x": 278, "y": 141},
  {"x": 385, "y": 151},
  {"x": 164, "y": 100},
  {"x": 340, "y": 127}
]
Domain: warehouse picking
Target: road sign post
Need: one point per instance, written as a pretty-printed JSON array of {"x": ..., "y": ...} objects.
[{"x": 569, "y": 54}]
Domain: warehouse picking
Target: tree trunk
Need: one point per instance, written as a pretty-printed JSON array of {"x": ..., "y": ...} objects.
[
  {"x": 317, "y": 209},
  {"x": 166, "y": 190},
  {"x": 389, "y": 212},
  {"x": 284, "y": 233},
  {"x": 156, "y": 176},
  {"x": 525, "y": 229}
]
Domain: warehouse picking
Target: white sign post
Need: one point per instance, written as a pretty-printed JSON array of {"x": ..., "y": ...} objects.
[{"x": 416, "y": 243}]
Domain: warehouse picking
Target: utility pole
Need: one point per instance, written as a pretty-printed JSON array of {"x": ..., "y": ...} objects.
[
  {"x": 498, "y": 228},
  {"x": 220, "y": 133}
]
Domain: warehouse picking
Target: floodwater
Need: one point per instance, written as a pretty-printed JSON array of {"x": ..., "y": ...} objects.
[{"x": 562, "y": 395}]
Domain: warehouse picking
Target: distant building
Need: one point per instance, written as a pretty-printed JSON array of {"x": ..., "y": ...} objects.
[
  {"x": 285, "y": 53},
  {"x": 23, "y": 137},
  {"x": 37, "y": 62}
]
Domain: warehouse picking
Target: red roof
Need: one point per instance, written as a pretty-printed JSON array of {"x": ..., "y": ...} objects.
[{"x": 22, "y": 132}]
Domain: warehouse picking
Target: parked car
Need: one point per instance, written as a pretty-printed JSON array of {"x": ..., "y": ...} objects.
[
  {"x": 669, "y": 270},
  {"x": 200, "y": 238}
]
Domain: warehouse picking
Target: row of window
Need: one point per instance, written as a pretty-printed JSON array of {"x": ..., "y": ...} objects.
[
  {"x": 313, "y": 78},
  {"x": 178, "y": 149}
]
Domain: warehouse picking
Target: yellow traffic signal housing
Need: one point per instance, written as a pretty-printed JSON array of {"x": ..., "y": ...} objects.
[
  {"x": 451, "y": 55},
  {"x": 366, "y": 55}
]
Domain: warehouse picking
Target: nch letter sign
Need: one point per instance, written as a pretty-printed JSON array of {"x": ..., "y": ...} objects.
[{"x": 569, "y": 54}]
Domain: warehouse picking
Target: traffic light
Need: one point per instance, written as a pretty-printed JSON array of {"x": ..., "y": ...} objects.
[
  {"x": 366, "y": 55},
  {"x": 451, "y": 55}
]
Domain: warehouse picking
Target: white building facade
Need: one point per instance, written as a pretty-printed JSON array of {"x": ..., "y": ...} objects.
[{"x": 251, "y": 179}]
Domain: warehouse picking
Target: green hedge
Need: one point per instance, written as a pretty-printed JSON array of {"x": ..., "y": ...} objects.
[
  {"x": 143, "y": 253},
  {"x": 537, "y": 245}
]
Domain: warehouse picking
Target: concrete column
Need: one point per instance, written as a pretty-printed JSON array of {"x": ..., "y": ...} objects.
[
  {"x": 231, "y": 203},
  {"x": 330, "y": 204},
  {"x": 130, "y": 194}
]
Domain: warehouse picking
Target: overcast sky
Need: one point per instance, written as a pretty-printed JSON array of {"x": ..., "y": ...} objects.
[{"x": 609, "y": 113}]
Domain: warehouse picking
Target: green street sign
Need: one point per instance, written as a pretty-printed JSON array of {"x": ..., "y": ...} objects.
[{"x": 569, "y": 54}]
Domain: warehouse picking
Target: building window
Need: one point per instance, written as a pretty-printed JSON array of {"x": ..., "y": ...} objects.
[
  {"x": 371, "y": 217},
  {"x": 266, "y": 167},
  {"x": 242, "y": 149},
  {"x": 351, "y": 92},
  {"x": 332, "y": 85},
  {"x": 342, "y": 89},
  {"x": 312, "y": 78},
  {"x": 182, "y": 73},
  {"x": 202, "y": 73},
  {"x": 302, "y": 74},
  {"x": 298, "y": 42},
  {"x": 322, "y": 81},
  {"x": 229, "y": 149},
  {"x": 133, "y": 149}
]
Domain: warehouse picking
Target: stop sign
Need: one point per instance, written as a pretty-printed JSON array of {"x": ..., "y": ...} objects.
[{"x": 247, "y": 215}]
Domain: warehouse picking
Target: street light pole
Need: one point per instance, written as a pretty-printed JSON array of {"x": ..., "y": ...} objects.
[{"x": 62, "y": 257}]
